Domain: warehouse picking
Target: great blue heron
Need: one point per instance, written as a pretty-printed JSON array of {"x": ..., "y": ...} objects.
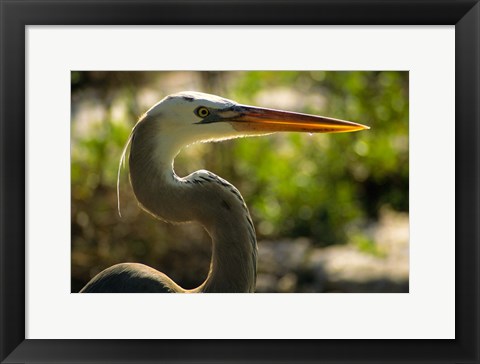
[{"x": 177, "y": 121}]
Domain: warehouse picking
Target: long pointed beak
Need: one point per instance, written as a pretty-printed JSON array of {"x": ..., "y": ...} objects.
[{"x": 263, "y": 120}]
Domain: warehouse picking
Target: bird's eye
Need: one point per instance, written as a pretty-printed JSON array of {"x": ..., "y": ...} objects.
[{"x": 202, "y": 111}]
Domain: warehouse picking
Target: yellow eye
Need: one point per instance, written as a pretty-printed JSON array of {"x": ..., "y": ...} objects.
[{"x": 202, "y": 111}]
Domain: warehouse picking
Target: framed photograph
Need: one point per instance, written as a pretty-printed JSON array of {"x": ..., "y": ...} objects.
[{"x": 367, "y": 240}]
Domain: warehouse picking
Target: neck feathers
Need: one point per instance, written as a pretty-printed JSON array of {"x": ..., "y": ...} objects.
[{"x": 202, "y": 197}]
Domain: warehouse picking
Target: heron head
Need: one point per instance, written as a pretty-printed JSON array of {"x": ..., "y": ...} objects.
[{"x": 191, "y": 117}]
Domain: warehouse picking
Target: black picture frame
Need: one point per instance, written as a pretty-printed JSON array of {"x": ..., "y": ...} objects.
[{"x": 16, "y": 14}]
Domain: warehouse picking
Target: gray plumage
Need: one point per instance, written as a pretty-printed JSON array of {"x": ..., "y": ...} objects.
[{"x": 177, "y": 121}]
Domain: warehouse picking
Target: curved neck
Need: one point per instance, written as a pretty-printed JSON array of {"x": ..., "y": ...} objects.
[{"x": 202, "y": 197}]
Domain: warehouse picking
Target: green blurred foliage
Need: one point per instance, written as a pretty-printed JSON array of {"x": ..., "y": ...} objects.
[{"x": 326, "y": 187}]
